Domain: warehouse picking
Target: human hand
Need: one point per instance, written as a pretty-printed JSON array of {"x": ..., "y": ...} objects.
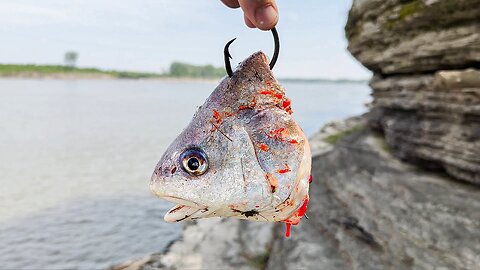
[{"x": 256, "y": 13}]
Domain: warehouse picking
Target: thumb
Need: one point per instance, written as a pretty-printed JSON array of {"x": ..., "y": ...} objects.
[{"x": 262, "y": 13}]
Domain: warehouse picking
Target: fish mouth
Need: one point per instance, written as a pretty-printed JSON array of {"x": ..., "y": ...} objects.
[{"x": 184, "y": 210}]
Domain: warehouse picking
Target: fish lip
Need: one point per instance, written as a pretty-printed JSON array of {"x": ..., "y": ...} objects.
[
  {"x": 181, "y": 201},
  {"x": 183, "y": 210}
]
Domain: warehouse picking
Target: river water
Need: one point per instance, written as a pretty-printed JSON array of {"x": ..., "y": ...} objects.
[{"x": 76, "y": 157}]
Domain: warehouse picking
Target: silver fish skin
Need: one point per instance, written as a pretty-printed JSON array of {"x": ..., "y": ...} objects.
[{"x": 242, "y": 155}]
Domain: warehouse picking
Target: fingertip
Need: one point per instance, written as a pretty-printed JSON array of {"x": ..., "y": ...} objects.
[
  {"x": 249, "y": 23},
  {"x": 266, "y": 17}
]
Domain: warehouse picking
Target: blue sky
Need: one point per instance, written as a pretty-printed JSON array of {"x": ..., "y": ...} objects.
[{"x": 147, "y": 35}]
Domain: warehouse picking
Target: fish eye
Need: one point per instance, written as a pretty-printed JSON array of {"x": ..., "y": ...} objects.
[{"x": 194, "y": 161}]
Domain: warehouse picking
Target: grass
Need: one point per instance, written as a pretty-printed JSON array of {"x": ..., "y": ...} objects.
[
  {"x": 12, "y": 70},
  {"x": 385, "y": 147},
  {"x": 260, "y": 261},
  {"x": 333, "y": 139},
  {"x": 409, "y": 9}
]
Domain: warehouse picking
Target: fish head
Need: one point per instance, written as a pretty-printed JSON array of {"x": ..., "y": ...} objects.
[{"x": 242, "y": 155}]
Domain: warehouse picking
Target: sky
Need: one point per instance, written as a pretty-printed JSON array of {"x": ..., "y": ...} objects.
[{"x": 148, "y": 35}]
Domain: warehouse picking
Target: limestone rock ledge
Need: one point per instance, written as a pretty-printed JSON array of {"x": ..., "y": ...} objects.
[
  {"x": 432, "y": 119},
  {"x": 425, "y": 55},
  {"x": 411, "y": 36}
]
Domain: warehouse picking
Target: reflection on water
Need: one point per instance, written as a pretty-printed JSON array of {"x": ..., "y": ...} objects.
[{"x": 76, "y": 157}]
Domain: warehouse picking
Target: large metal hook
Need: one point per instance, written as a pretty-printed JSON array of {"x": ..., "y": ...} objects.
[{"x": 227, "y": 55}]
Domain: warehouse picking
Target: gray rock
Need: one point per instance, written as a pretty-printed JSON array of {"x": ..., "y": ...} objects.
[
  {"x": 425, "y": 55},
  {"x": 412, "y": 36},
  {"x": 432, "y": 119},
  {"x": 368, "y": 210},
  {"x": 213, "y": 244}
]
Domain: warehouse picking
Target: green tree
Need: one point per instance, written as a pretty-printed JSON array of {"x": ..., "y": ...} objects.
[{"x": 71, "y": 59}]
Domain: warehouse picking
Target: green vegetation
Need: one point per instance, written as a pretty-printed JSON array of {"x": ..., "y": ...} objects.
[
  {"x": 13, "y": 70},
  {"x": 333, "y": 139},
  {"x": 409, "y": 9},
  {"x": 382, "y": 143},
  {"x": 177, "y": 70},
  {"x": 385, "y": 147},
  {"x": 259, "y": 261}
]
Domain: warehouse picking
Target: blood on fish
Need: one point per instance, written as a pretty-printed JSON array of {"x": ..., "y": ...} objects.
[
  {"x": 310, "y": 179},
  {"x": 277, "y": 134},
  {"x": 272, "y": 181},
  {"x": 228, "y": 114},
  {"x": 264, "y": 147},
  {"x": 272, "y": 93},
  {"x": 303, "y": 209},
  {"x": 293, "y": 141},
  {"x": 295, "y": 219},
  {"x": 285, "y": 170},
  {"x": 217, "y": 116},
  {"x": 287, "y": 231}
]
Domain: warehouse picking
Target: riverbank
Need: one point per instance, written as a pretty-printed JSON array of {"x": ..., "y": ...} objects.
[
  {"x": 57, "y": 72},
  {"x": 368, "y": 210}
]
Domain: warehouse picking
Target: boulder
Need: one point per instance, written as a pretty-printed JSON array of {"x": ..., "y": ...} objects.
[{"x": 425, "y": 55}]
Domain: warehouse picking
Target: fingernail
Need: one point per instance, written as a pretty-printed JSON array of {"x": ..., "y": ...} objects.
[{"x": 265, "y": 16}]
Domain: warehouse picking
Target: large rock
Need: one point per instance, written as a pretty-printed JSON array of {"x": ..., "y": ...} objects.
[
  {"x": 411, "y": 36},
  {"x": 432, "y": 119},
  {"x": 425, "y": 55},
  {"x": 368, "y": 210},
  {"x": 212, "y": 244}
]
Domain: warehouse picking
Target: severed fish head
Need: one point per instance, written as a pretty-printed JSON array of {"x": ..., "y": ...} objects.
[{"x": 242, "y": 155}]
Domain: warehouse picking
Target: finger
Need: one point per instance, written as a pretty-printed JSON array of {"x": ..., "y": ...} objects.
[
  {"x": 262, "y": 13},
  {"x": 248, "y": 22},
  {"x": 231, "y": 3}
]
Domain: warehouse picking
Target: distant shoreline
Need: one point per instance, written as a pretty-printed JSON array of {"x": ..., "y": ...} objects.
[
  {"x": 95, "y": 76},
  {"x": 56, "y": 72}
]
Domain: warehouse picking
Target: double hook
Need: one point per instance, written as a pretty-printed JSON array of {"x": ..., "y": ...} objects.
[{"x": 227, "y": 55}]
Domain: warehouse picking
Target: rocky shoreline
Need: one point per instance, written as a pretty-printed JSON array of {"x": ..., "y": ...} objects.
[
  {"x": 368, "y": 210},
  {"x": 231, "y": 243}
]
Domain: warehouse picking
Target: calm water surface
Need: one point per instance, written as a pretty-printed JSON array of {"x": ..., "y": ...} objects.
[{"x": 76, "y": 158}]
